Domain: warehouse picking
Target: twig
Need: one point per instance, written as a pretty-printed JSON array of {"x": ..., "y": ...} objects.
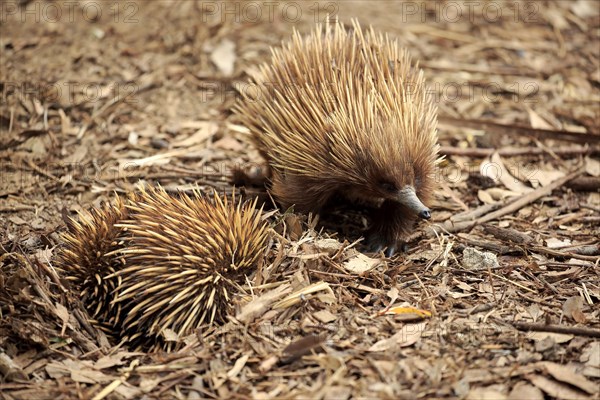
[
  {"x": 507, "y": 234},
  {"x": 17, "y": 207},
  {"x": 513, "y": 206},
  {"x": 490, "y": 245},
  {"x": 590, "y": 207},
  {"x": 527, "y": 326},
  {"x": 585, "y": 184},
  {"x": 520, "y": 130},
  {"x": 556, "y": 253},
  {"x": 511, "y": 152}
]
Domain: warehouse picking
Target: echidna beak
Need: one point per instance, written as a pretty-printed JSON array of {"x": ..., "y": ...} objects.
[{"x": 408, "y": 197}]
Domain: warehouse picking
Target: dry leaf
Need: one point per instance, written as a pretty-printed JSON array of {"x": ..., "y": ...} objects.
[
  {"x": 229, "y": 143},
  {"x": 591, "y": 355},
  {"x": 170, "y": 335},
  {"x": 63, "y": 314},
  {"x": 408, "y": 335},
  {"x": 329, "y": 246},
  {"x": 237, "y": 367},
  {"x": 523, "y": 390},
  {"x": 110, "y": 361},
  {"x": 573, "y": 308},
  {"x": 592, "y": 166},
  {"x": 556, "y": 337},
  {"x": 302, "y": 347},
  {"x": 535, "y": 120},
  {"x": 259, "y": 305},
  {"x": 223, "y": 56},
  {"x": 568, "y": 375},
  {"x": 545, "y": 177},
  {"x": 485, "y": 394},
  {"x": 584, "y": 8},
  {"x": 485, "y": 197},
  {"x": 411, "y": 311},
  {"x": 508, "y": 180},
  {"x": 361, "y": 263},
  {"x": 556, "y": 389},
  {"x": 206, "y": 130},
  {"x": 324, "y": 316},
  {"x": 554, "y": 243}
]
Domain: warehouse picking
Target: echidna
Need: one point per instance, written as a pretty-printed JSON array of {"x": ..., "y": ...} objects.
[
  {"x": 83, "y": 259},
  {"x": 185, "y": 257},
  {"x": 345, "y": 113}
]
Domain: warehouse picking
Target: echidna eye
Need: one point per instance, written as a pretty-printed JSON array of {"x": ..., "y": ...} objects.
[{"x": 387, "y": 186}]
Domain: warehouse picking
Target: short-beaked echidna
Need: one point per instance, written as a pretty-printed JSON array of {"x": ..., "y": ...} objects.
[
  {"x": 185, "y": 257},
  {"x": 340, "y": 112},
  {"x": 82, "y": 258}
]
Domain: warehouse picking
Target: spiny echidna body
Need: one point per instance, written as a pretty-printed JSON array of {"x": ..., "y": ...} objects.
[
  {"x": 342, "y": 112},
  {"x": 184, "y": 258},
  {"x": 82, "y": 258}
]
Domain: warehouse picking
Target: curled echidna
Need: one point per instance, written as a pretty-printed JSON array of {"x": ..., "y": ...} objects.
[
  {"x": 185, "y": 257},
  {"x": 156, "y": 266},
  {"x": 342, "y": 112},
  {"x": 83, "y": 261}
]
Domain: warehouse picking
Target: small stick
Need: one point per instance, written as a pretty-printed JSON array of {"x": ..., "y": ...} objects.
[
  {"x": 507, "y": 234},
  {"x": 526, "y": 326},
  {"x": 513, "y": 206},
  {"x": 511, "y": 152},
  {"x": 520, "y": 130},
  {"x": 557, "y": 253},
  {"x": 585, "y": 184}
]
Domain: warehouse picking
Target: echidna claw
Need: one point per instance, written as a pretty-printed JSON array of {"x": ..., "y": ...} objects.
[
  {"x": 377, "y": 244},
  {"x": 390, "y": 251}
]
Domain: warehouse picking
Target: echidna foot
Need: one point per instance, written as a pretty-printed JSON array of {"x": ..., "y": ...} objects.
[{"x": 377, "y": 242}]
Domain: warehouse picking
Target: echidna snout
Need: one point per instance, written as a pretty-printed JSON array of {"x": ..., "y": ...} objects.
[{"x": 409, "y": 198}]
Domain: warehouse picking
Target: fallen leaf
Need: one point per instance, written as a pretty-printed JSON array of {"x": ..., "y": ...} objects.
[
  {"x": 203, "y": 132},
  {"x": 259, "y": 305},
  {"x": 592, "y": 166},
  {"x": 170, "y": 335},
  {"x": 568, "y": 375},
  {"x": 324, "y": 316},
  {"x": 556, "y": 337},
  {"x": 473, "y": 258},
  {"x": 408, "y": 335},
  {"x": 229, "y": 143},
  {"x": 485, "y": 394},
  {"x": 110, "y": 361},
  {"x": 573, "y": 308},
  {"x": 301, "y": 347},
  {"x": 523, "y": 390},
  {"x": 554, "y": 243},
  {"x": 237, "y": 367},
  {"x": 556, "y": 389},
  {"x": 408, "y": 310},
  {"x": 329, "y": 246},
  {"x": 591, "y": 355},
  {"x": 546, "y": 177},
  {"x": 584, "y": 8},
  {"x": 360, "y": 264},
  {"x": 223, "y": 56},
  {"x": 510, "y": 181},
  {"x": 485, "y": 197},
  {"x": 535, "y": 120}
]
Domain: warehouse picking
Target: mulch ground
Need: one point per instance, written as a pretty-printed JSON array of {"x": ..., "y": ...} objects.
[{"x": 496, "y": 297}]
